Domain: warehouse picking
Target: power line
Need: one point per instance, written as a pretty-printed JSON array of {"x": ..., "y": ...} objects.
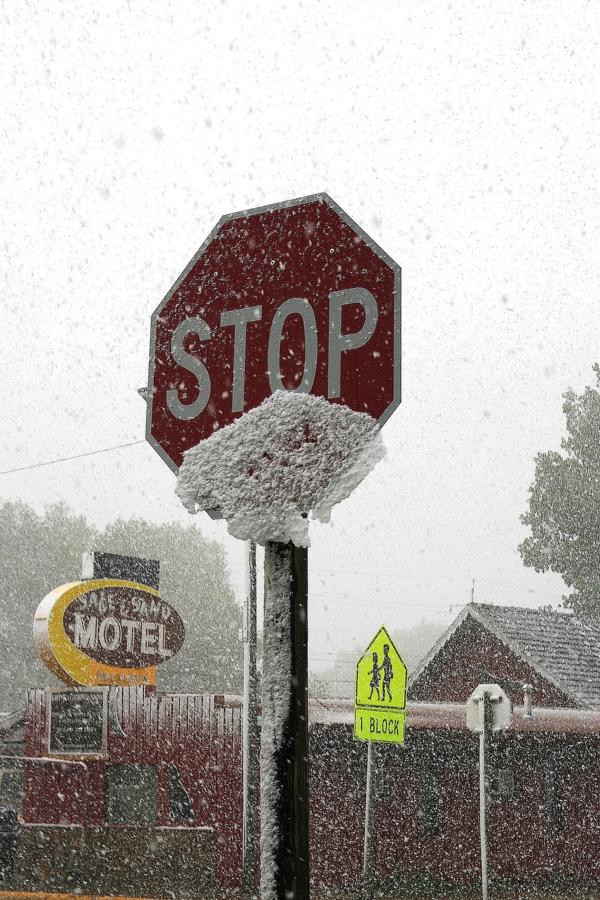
[
  {"x": 382, "y": 574},
  {"x": 399, "y": 605},
  {"x": 51, "y": 462},
  {"x": 427, "y": 577}
]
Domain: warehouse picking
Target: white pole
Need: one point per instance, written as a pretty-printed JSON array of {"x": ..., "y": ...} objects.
[
  {"x": 250, "y": 740},
  {"x": 483, "y": 723},
  {"x": 368, "y": 841}
]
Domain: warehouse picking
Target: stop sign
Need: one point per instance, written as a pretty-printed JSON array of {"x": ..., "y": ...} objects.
[{"x": 293, "y": 296}]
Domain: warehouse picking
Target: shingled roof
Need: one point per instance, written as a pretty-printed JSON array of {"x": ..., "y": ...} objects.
[{"x": 563, "y": 648}]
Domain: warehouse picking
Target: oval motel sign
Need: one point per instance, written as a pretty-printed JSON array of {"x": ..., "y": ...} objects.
[{"x": 106, "y": 631}]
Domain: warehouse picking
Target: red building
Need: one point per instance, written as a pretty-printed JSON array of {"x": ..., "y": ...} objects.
[
  {"x": 171, "y": 766},
  {"x": 174, "y": 762},
  {"x": 556, "y": 652},
  {"x": 544, "y": 796}
]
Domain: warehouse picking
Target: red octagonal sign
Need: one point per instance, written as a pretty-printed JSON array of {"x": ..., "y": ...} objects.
[{"x": 293, "y": 296}]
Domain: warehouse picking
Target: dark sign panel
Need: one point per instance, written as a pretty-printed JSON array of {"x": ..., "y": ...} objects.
[
  {"x": 77, "y": 723},
  {"x": 114, "y": 565}
]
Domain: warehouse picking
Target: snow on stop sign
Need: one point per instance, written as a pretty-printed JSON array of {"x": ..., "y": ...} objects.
[{"x": 293, "y": 296}]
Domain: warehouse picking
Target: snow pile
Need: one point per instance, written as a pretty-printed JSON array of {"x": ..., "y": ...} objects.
[
  {"x": 293, "y": 454},
  {"x": 276, "y": 678}
]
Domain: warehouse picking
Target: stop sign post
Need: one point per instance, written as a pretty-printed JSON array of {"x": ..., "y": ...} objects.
[{"x": 291, "y": 296}]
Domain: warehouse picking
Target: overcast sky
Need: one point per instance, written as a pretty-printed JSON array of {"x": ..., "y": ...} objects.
[{"x": 463, "y": 138}]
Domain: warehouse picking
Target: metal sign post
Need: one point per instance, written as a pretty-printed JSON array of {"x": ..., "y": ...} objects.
[
  {"x": 250, "y": 740},
  {"x": 484, "y": 726},
  {"x": 284, "y": 730},
  {"x": 488, "y": 710},
  {"x": 220, "y": 345},
  {"x": 368, "y": 841},
  {"x": 379, "y": 712}
]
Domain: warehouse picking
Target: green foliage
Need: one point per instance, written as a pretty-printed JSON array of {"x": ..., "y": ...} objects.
[
  {"x": 564, "y": 504},
  {"x": 37, "y": 553},
  {"x": 195, "y": 580},
  {"x": 41, "y": 552}
]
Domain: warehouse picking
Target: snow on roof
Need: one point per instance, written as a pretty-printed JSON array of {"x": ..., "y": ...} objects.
[
  {"x": 293, "y": 454},
  {"x": 563, "y": 648}
]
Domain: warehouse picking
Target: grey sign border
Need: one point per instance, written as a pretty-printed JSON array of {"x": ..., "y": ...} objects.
[
  {"x": 272, "y": 207},
  {"x": 93, "y": 754}
]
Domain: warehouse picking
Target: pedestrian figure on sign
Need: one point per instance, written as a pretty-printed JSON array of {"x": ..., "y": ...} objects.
[
  {"x": 374, "y": 673},
  {"x": 388, "y": 673}
]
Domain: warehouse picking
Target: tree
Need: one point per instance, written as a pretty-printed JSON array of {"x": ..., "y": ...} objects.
[
  {"x": 564, "y": 504},
  {"x": 41, "y": 552},
  {"x": 195, "y": 580},
  {"x": 37, "y": 553}
]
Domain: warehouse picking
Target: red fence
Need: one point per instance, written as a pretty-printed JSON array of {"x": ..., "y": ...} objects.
[
  {"x": 545, "y": 806},
  {"x": 199, "y": 734}
]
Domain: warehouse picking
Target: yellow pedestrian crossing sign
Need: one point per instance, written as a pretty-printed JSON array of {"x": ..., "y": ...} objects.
[{"x": 380, "y": 697}]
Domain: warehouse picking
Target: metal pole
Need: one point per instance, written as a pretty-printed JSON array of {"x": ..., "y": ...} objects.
[
  {"x": 368, "y": 841},
  {"x": 250, "y": 740},
  {"x": 484, "y": 717},
  {"x": 284, "y": 731}
]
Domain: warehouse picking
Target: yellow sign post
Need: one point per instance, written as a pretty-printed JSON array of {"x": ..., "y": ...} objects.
[
  {"x": 380, "y": 698},
  {"x": 379, "y": 710}
]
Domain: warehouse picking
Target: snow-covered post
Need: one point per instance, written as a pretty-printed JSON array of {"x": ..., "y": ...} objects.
[
  {"x": 294, "y": 456},
  {"x": 284, "y": 730}
]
